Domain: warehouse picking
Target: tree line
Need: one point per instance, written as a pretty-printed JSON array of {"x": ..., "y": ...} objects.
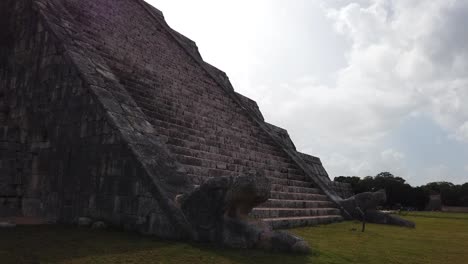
[{"x": 401, "y": 194}]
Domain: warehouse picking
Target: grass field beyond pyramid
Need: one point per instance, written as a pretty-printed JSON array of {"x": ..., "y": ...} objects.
[{"x": 438, "y": 238}]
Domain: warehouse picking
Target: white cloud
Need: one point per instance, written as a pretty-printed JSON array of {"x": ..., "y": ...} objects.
[
  {"x": 402, "y": 62},
  {"x": 404, "y": 59},
  {"x": 392, "y": 155},
  {"x": 462, "y": 132},
  {"x": 403, "y": 55},
  {"x": 437, "y": 173},
  {"x": 443, "y": 172}
]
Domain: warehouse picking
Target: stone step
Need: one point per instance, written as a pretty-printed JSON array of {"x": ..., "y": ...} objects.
[
  {"x": 166, "y": 120},
  {"x": 281, "y": 203},
  {"x": 288, "y": 175},
  {"x": 291, "y": 222},
  {"x": 193, "y": 147},
  {"x": 22, "y": 220},
  {"x": 294, "y": 189},
  {"x": 287, "y": 182},
  {"x": 292, "y": 212},
  {"x": 298, "y": 196}
]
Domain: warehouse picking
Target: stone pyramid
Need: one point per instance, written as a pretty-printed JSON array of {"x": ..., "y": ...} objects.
[{"x": 107, "y": 112}]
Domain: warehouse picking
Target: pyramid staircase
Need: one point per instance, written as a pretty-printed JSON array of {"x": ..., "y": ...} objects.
[
  {"x": 185, "y": 120},
  {"x": 192, "y": 109},
  {"x": 296, "y": 203},
  {"x": 295, "y": 200}
]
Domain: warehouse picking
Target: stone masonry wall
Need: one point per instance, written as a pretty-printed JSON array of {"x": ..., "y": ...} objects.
[
  {"x": 344, "y": 190},
  {"x": 206, "y": 130},
  {"x": 60, "y": 157}
]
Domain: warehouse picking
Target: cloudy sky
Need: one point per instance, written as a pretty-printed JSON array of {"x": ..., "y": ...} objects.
[{"x": 367, "y": 86}]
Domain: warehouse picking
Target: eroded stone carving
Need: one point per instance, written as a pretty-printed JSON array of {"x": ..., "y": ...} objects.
[
  {"x": 218, "y": 212},
  {"x": 366, "y": 203}
]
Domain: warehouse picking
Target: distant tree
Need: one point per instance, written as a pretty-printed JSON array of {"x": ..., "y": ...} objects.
[
  {"x": 451, "y": 194},
  {"x": 366, "y": 185},
  {"x": 464, "y": 195},
  {"x": 419, "y": 198},
  {"x": 400, "y": 193},
  {"x": 385, "y": 174}
]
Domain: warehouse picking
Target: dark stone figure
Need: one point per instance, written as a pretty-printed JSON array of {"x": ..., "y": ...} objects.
[
  {"x": 218, "y": 212},
  {"x": 435, "y": 203},
  {"x": 367, "y": 203}
]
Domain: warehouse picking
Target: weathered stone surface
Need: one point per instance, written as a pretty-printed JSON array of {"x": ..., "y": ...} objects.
[
  {"x": 282, "y": 241},
  {"x": 367, "y": 203},
  {"x": 84, "y": 222},
  {"x": 208, "y": 205},
  {"x": 7, "y": 225},
  {"x": 218, "y": 211},
  {"x": 344, "y": 190},
  {"x": 378, "y": 217},
  {"x": 245, "y": 193},
  {"x": 434, "y": 203},
  {"x": 63, "y": 154}
]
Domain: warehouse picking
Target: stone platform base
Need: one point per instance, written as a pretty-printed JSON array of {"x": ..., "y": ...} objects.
[{"x": 25, "y": 221}]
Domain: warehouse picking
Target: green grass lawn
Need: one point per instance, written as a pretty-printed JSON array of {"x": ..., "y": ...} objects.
[{"x": 438, "y": 238}]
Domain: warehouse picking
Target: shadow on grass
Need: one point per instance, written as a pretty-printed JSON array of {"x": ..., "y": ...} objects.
[
  {"x": 52, "y": 244},
  {"x": 253, "y": 256}
]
